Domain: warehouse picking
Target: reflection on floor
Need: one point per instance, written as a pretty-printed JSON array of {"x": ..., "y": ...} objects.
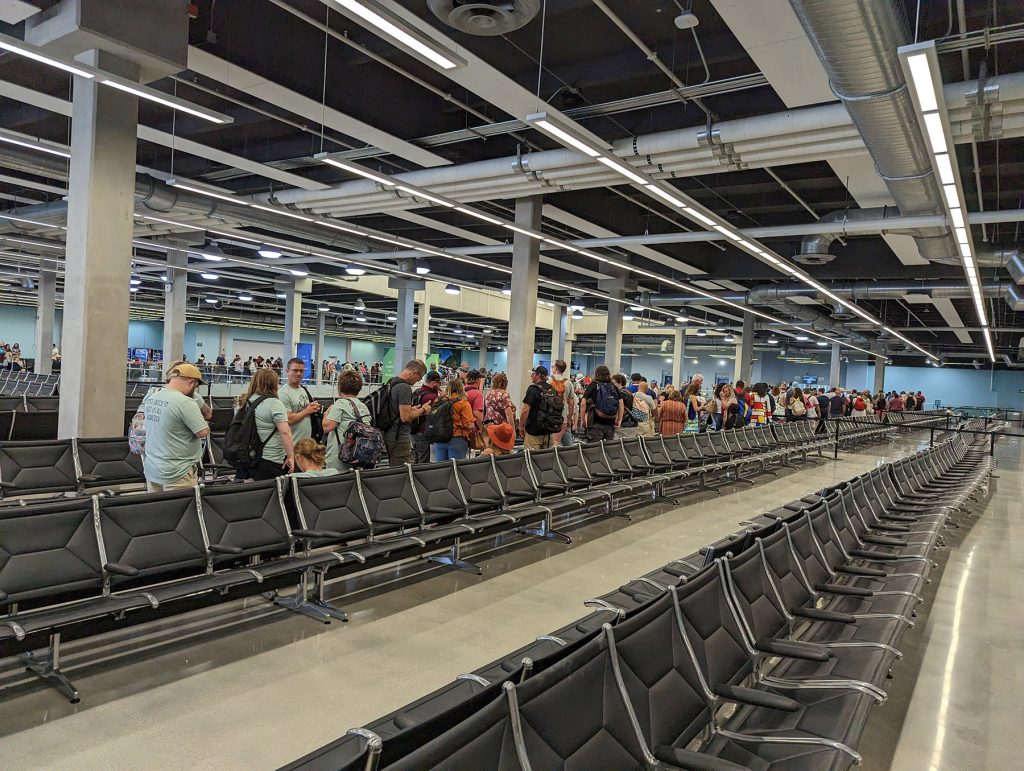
[{"x": 275, "y": 685}]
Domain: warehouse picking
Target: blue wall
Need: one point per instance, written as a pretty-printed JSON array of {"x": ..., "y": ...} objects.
[
  {"x": 958, "y": 385},
  {"x": 18, "y": 325}
]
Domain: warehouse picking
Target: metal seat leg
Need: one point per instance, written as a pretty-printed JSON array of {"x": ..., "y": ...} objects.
[
  {"x": 452, "y": 558},
  {"x": 47, "y": 667}
]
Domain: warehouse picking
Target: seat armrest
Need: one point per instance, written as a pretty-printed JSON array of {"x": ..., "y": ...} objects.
[
  {"x": 3, "y": 596},
  {"x": 899, "y": 518},
  {"x": 90, "y": 478},
  {"x": 871, "y": 554},
  {"x": 819, "y": 614},
  {"x": 302, "y": 533},
  {"x": 857, "y": 570},
  {"x": 8, "y": 486},
  {"x": 121, "y": 570},
  {"x": 441, "y": 510},
  {"x": 888, "y": 528},
  {"x": 394, "y": 521},
  {"x": 554, "y": 487},
  {"x": 755, "y": 698},
  {"x": 882, "y": 540},
  {"x": 850, "y": 591},
  {"x": 488, "y": 501},
  {"x": 694, "y": 761},
  {"x": 793, "y": 649},
  {"x": 217, "y": 548}
]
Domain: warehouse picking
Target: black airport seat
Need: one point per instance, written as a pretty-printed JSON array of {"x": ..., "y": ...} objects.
[
  {"x": 108, "y": 462},
  {"x": 33, "y": 426},
  {"x": 37, "y": 468}
]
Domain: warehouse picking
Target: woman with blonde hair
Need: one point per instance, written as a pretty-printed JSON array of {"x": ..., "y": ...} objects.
[
  {"x": 272, "y": 427},
  {"x": 310, "y": 458}
]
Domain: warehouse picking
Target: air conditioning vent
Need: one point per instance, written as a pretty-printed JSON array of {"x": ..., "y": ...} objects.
[{"x": 486, "y": 18}]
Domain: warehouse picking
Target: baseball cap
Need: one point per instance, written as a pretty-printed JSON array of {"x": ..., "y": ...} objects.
[
  {"x": 540, "y": 370},
  {"x": 186, "y": 370}
]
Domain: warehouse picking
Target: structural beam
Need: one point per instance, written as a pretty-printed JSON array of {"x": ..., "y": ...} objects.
[
  {"x": 523, "y": 302},
  {"x": 99, "y": 246}
]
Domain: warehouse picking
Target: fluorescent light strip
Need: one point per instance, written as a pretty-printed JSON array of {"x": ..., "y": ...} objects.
[
  {"x": 564, "y": 136},
  {"x": 936, "y": 135},
  {"x": 952, "y": 196},
  {"x": 174, "y": 104},
  {"x": 988, "y": 343},
  {"x": 170, "y": 222},
  {"x": 422, "y": 194},
  {"x": 39, "y": 146},
  {"x": 727, "y": 233},
  {"x": 29, "y": 52},
  {"x": 620, "y": 168},
  {"x": 204, "y": 191},
  {"x": 32, "y": 243},
  {"x": 665, "y": 196},
  {"x": 359, "y": 170},
  {"x": 957, "y": 215},
  {"x": 392, "y": 30},
  {"x": 945, "y": 168},
  {"x": 921, "y": 76},
  {"x": 961, "y": 235}
]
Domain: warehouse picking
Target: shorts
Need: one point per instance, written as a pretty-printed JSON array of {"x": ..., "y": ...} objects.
[
  {"x": 187, "y": 482},
  {"x": 267, "y": 469},
  {"x": 539, "y": 442},
  {"x": 399, "y": 451},
  {"x": 598, "y": 432}
]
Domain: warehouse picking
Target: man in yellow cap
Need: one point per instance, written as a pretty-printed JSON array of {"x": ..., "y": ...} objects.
[{"x": 175, "y": 428}]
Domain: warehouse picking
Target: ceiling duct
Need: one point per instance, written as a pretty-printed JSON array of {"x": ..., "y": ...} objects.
[
  {"x": 486, "y": 18},
  {"x": 857, "y": 41},
  {"x": 814, "y": 249}
]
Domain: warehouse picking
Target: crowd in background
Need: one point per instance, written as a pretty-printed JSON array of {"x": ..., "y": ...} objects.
[{"x": 445, "y": 413}]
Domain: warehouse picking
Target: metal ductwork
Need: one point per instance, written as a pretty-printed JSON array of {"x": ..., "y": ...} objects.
[
  {"x": 780, "y": 295},
  {"x": 814, "y": 248},
  {"x": 485, "y": 17},
  {"x": 857, "y": 41}
]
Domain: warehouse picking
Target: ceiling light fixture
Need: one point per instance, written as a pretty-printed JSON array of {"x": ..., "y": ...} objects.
[
  {"x": 135, "y": 281},
  {"x": 621, "y": 168},
  {"x": 507, "y": 290},
  {"x": 577, "y": 314},
  {"x": 355, "y": 270},
  {"x": 298, "y": 270},
  {"x": 15, "y": 139},
  {"x": 392, "y": 317},
  {"x": 152, "y": 95},
  {"x": 323, "y": 308},
  {"x": 381, "y": 22},
  {"x": 452, "y": 289},
  {"x": 359, "y": 305},
  {"x": 563, "y": 134},
  {"x": 16, "y": 46},
  {"x": 352, "y": 168},
  {"x": 773, "y": 340},
  {"x": 245, "y": 297},
  {"x": 210, "y": 276},
  {"x": 628, "y": 317},
  {"x": 802, "y": 338},
  {"x": 269, "y": 251}
]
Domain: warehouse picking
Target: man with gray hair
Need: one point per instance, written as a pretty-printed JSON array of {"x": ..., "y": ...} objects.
[{"x": 398, "y": 436}]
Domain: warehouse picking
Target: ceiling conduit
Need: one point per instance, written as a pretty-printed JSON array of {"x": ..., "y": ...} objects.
[{"x": 857, "y": 41}]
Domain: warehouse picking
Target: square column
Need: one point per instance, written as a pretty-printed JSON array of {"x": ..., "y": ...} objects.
[
  {"x": 44, "y": 319},
  {"x": 321, "y": 351},
  {"x": 879, "y": 371},
  {"x": 616, "y": 287},
  {"x": 293, "y": 315},
  {"x": 175, "y": 300},
  {"x": 485, "y": 341},
  {"x": 422, "y": 332},
  {"x": 745, "y": 350},
  {"x": 834, "y": 365},
  {"x": 406, "y": 319},
  {"x": 678, "y": 355},
  {"x": 101, "y": 201},
  {"x": 559, "y": 332},
  {"x": 522, "y": 325}
]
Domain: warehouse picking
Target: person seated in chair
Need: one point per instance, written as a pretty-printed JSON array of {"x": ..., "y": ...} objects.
[{"x": 311, "y": 459}]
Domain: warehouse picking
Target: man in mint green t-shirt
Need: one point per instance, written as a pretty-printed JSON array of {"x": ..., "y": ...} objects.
[
  {"x": 297, "y": 401},
  {"x": 175, "y": 428}
]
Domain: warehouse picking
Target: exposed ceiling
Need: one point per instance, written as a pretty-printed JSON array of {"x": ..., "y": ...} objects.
[{"x": 300, "y": 78}]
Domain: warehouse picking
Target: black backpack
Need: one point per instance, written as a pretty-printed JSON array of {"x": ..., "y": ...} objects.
[
  {"x": 549, "y": 410},
  {"x": 243, "y": 447},
  {"x": 382, "y": 411},
  {"x": 441, "y": 421},
  {"x": 316, "y": 420}
]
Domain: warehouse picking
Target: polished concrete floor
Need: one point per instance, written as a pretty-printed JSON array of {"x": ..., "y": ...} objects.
[{"x": 270, "y": 686}]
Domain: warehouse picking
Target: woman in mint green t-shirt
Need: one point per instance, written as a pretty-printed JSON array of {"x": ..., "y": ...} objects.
[
  {"x": 271, "y": 425},
  {"x": 346, "y": 409}
]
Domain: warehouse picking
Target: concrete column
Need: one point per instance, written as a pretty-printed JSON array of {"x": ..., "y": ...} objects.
[
  {"x": 422, "y": 332},
  {"x": 568, "y": 339},
  {"x": 346, "y": 350},
  {"x": 321, "y": 350},
  {"x": 613, "y": 334},
  {"x": 406, "y": 319},
  {"x": 47, "y": 287},
  {"x": 293, "y": 315},
  {"x": 559, "y": 332},
  {"x": 175, "y": 300},
  {"x": 523, "y": 302},
  {"x": 101, "y": 199},
  {"x": 879, "y": 372},
  {"x": 485, "y": 341},
  {"x": 223, "y": 344},
  {"x": 833, "y": 369},
  {"x": 678, "y": 355},
  {"x": 745, "y": 350}
]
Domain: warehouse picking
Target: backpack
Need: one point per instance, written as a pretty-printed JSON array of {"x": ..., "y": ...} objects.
[
  {"x": 383, "y": 414},
  {"x": 137, "y": 433},
  {"x": 363, "y": 443},
  {"x": 417, "y": 423},
  {"x": 628, "y": 401},
  {"x": 559, "y": 385},
  {"x": 798, "y": 408},
  {"x": 441, "y": 421},
  {"x": 549, "y": 410},
  {"x": 734, "y": 418},
  {"x": 743, "y": 411},
  {"x": 859, "y": 405},
  {"x": 606, "y": 401},
  {"x": 243, "y": 447},
  {"x": 640, "y": 411},
  {"x": 316, "y": 420}
]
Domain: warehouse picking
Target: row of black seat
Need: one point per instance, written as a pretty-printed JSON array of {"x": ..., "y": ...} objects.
[
  {"x": 40, "y": 425},
  {"x": 89, "y": 563},
  {"x": 764, "y": 651},
  {"x": 27, "y": 383}
]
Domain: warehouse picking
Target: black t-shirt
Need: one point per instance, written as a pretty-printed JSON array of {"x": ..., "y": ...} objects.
[
  {"x": 591, "y": 396},
  {"x": 532, "y": 400}
]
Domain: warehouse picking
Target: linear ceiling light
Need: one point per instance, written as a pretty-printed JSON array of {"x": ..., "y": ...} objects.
[
  {"x": 352, "y": 168},
  {"x": 378, "y": 19},
  {"x": 33, "y": 144},
  {"x": 179, "y": 105},
  {"x": 30, "y": 52},
  {"x": 921, "y": 67}
]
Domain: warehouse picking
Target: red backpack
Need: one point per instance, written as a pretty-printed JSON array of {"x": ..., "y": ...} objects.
[{"x": 858, "y": 404}]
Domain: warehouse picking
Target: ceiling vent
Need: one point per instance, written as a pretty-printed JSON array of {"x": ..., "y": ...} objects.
[
  {"x": 840, "y": 312},
  {"x": 813, "y": 258},
  {"x": 485, "y": 17}
]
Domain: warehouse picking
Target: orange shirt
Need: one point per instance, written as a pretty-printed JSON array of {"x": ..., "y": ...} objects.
[
  {"x": 671, "y": 417},
  {"x": 462, "y": 418}
]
